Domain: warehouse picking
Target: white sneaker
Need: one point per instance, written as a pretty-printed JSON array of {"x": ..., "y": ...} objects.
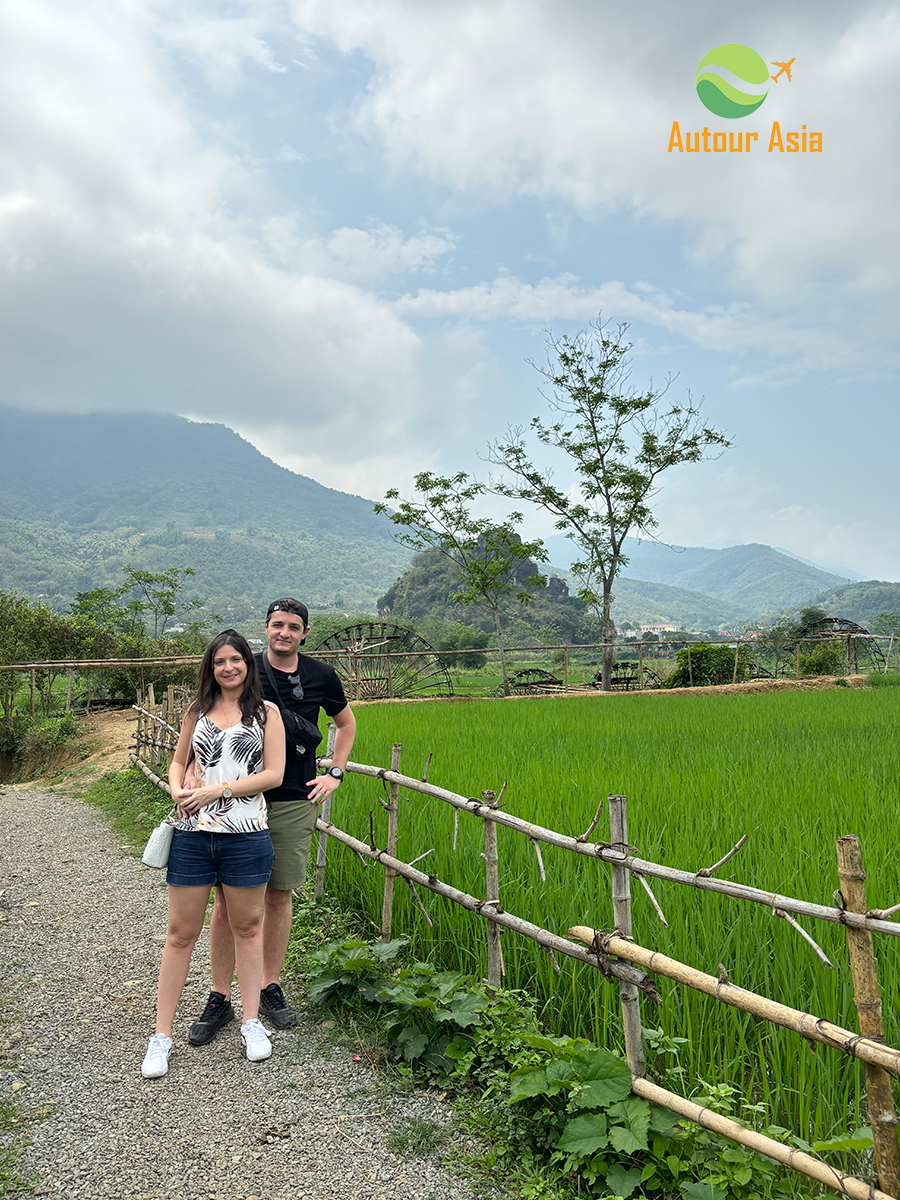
[
  {"x": 256, "y": 1040},
  {"x": 156, "y": 1060}
]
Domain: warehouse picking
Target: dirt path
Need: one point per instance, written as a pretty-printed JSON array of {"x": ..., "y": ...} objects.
[{"x": 81, "y": 929}]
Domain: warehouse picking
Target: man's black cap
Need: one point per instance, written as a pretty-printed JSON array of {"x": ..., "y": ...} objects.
[{"x": 286, "y": 604}]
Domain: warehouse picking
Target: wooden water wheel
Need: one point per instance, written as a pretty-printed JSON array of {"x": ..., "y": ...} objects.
[{"x": 380, "y": 661}]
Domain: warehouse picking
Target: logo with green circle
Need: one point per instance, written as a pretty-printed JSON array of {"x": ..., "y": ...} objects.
[{"x": 721, "y": 96}]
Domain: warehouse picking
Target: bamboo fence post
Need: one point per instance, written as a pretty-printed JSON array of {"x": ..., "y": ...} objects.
[
  {"x": 690, "y": 668},
  {"x": 390, "y": 677},
  {"x": 867, "y": 997},
  {"x": 797, "y": 669},
  {"x": 151, "y": 697},
  {"x": 566, "y": 668},
  {"x": 492, "y": 892},
  {"x": 393, "y": 810},
  {"x": 322, "y": 848},
  {"x": 641, "y": 665},
  {"x": 69, "y": 691},
  {"x": 156, "y": 756},
  {"x": 621, "y": 898},
  {"x": 737, "y": 651},
  {"x": 32, "y": 691}
]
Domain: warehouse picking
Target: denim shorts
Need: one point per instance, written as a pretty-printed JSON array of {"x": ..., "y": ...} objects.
[{"x": 199, "y": 859}]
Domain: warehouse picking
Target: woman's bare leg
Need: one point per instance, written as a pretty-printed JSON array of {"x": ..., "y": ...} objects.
[
  {"x": 245, "y": 910},
  {"x": 187, "y": 908}
]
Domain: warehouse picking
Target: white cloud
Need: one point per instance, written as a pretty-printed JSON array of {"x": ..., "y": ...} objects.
[
  {"x": 222, "y": 46},
  {"x": 131, "y": 274},
  {"x": 373, "y": 254},
  {"x": 733, "y": 329},
  {"x": 569, "y": 102}
]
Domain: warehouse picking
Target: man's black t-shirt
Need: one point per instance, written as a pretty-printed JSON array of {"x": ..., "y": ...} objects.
[{"x": 321, "y": 689}]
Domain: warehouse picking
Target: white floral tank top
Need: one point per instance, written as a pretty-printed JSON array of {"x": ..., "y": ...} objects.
[{"x": 222, "y": 756}]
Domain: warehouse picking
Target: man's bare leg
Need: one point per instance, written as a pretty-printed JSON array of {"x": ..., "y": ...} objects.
[
  {"x": 276, "y": 933},
  {"x": 221, "y": 947},
  {"x": 218, "y": 1010}
]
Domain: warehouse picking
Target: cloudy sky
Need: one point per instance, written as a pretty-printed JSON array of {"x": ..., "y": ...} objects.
[{"x": 342, "y": 229}]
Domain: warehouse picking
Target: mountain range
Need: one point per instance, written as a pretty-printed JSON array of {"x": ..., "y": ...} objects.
[{"x": 82, "y": 494}]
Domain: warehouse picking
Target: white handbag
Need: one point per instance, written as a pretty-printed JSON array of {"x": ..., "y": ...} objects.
[{"x": 156, "y": 852}]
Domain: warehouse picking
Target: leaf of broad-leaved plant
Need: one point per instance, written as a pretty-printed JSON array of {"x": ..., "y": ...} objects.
[
  {"x": 606, "y": 1079},
  {"x": 398, "y": 993},
  {"x": 385, "y": 951},
  {"x": 584, "y": 1135},
  {"x": 464, "y": 1010},
  {"x": 559, "y": 1075},
  {"x": 629, "y": 1122},
  {"x": 661, "y": 1119},
  {"x": 320, "y": 989},
  {"x": 701, "y": 1191},
  {"x": 622, "y": 1182},
  {"x": 859, "y": 1139},
  {"x": 540, "y": 1041},
  {"x": 412, "y": 1043},
  {"x": 527, "y": 1082}
]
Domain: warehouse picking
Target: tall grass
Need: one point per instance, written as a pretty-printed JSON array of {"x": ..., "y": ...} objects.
[{"x": 793, "y": 770}]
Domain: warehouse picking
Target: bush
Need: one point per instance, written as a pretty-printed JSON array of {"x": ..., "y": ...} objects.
[
  {"x": 708, "y": 666},
  {"x": 29, "y": 738},
  {"x": 453, "y": 635},
  {"x": 825, "y": 658}
]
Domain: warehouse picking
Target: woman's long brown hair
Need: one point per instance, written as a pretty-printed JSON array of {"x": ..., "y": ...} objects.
[{"x": 252, "y": 701}]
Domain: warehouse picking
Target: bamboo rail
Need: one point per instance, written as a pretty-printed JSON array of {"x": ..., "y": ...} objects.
[
  {"x": 808, "y": 1026},
  {"x": 492, "y": 912},
  {"x": 637, "y": 866},
  {"x": 850, "y": 1185}
]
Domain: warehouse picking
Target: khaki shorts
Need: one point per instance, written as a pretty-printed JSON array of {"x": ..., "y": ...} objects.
[{"x": 291, "y": 824}]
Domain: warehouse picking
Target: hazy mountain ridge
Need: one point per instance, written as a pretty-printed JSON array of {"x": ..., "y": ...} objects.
[
  {"x": 753, "y": 578},
  {"x": 80, "y": 495}
]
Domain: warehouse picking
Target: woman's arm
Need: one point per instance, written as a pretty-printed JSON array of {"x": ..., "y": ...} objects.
[
  {"x": 192, "y": 800},
  {"x": 178, "y": 763}
]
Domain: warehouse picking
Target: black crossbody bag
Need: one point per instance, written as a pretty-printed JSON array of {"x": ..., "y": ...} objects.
[{"x": 301, "y": 735}]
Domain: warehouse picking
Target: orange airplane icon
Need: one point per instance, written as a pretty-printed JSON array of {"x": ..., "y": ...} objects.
[{"x": 785, "y": 68}]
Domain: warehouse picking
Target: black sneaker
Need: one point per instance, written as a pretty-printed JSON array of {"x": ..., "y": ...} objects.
[
  {"x": 275, "y": 1008},
  {"x": 218, "y": 1012}
]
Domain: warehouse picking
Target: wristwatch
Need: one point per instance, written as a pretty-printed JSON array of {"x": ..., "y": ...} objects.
[
  {"x": 336, "y": 773},
  {"x": 227, "y": 793}
]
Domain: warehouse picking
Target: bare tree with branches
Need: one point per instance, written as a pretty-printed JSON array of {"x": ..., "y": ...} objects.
[{"x": 619, "y": 441}]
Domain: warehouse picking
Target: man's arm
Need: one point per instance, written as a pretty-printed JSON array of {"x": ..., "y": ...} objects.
[{"x": 345, "y": 731}]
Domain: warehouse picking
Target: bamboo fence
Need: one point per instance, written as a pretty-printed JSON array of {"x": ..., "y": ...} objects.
[
  {"x": 616, "y": 955},
  {"x": 571, "y": 654}
]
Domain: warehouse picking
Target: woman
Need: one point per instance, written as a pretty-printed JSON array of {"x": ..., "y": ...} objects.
[{"x": 237, "y": 742}]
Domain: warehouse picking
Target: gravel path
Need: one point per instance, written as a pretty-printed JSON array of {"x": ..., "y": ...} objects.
[{"x": 81, "y": 926}]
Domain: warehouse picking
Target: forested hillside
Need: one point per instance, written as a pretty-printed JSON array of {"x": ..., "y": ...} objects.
[
  {"x": 422, "y": 591},
  {"x": 80, "y": 495}
]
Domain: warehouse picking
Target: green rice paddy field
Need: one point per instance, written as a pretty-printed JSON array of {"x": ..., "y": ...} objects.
[{"x": 794, "y": 770}]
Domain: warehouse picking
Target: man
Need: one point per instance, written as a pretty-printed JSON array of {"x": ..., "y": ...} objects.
[{"x": 304, "y": 686}]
